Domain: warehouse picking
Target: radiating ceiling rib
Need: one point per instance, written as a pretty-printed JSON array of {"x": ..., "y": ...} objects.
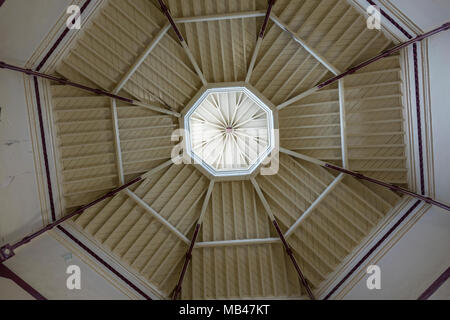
[
  {"x": 326, "y": 247},
  {"x": 168, "y": 45},
  {"x": 84, "y": 219},
  {"x": 285, "y": 205},
  {"x": 314, "y": 238},
  {"x": 148, "y": 246},
  {"x": 81, "y": 86},
  {"x": 323, "y": 19},
  {"x": 384, "y": 54},
  {"x": 238, "y": 218}
]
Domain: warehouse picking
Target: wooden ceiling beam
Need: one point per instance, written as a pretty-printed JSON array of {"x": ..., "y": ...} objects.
[
  {"x": 238, "y": 242},
  {"x": 305, "y": 45},
  {"x": 144, "y": 54},
  {"x": 343, "y": 124},
  {"x": 314, "y": 204},
  {"x": 7, "y": 251},
  {"x": 221, "y": 16},
  {"x": 156, "y": 215},
  {"x": 63, "y": 81}
]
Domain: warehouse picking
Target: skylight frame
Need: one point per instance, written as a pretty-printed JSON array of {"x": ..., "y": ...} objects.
[{"x": 238, "y": 172}]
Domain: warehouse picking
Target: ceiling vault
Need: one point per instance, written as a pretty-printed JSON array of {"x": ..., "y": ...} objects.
[{"x": 299, "y": 200}]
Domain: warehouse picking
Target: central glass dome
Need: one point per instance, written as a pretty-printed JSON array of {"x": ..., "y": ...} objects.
[{"x": 229, "y": 131}]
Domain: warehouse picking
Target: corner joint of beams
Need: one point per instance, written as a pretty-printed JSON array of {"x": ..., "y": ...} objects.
[{"x": 206, "y": 201}]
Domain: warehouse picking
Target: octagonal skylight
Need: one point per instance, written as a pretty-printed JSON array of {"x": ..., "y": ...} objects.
[{"x": 229, "y": 131}]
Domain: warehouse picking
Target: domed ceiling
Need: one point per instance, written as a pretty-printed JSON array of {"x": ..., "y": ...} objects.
[{"x": 130, "y": 48}]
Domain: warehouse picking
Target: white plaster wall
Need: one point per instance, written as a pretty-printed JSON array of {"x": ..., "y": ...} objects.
[
  {"x": 43, "y": 263},
  {"x": 23, "y": 25},
  {"x": 10, "y": 291},
  {"x": 424, "y": 252}
]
